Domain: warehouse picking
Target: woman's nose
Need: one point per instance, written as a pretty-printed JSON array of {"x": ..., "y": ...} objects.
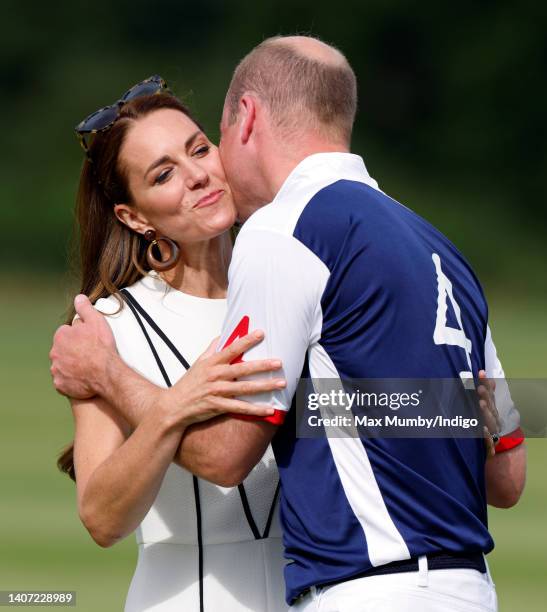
[{"x": 197, "y": 176}]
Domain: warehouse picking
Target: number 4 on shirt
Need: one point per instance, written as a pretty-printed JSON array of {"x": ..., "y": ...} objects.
[{"x": 444, "y": 334}]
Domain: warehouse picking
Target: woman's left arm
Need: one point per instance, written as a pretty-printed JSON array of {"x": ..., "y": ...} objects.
[{"x": 118, "y": 473}]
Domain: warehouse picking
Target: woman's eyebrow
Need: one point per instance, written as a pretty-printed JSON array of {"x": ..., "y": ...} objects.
[
  {"x": 158, "y": 162},
  {"x": 190, "y": 140},
  {"x": 166, "y": 158}
]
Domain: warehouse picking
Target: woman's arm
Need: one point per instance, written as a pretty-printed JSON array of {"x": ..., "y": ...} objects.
[{"x": 118, "y": 474}]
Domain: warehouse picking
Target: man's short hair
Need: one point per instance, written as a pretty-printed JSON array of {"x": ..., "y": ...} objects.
[{"x": 301, "y": 92}]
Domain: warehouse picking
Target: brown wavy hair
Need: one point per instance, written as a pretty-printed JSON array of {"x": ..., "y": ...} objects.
[{"x": 111, "y": 256}]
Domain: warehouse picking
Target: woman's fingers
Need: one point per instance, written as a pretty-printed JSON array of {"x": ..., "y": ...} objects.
[
  {"x": 234, "y": 406},
  {"x": 487, "y": 403},
  {"x": 489, "y": 419},
  {"x": 239, "y": 347},
  {"x": 490, "y": 446},
  {"x": 248, "y": 387},
  {"x": 210, "y": 350},
  {"x": 489, "y": 382},
  {"x": 247, "y": 368},
  {"x": 223, "y": 405}
]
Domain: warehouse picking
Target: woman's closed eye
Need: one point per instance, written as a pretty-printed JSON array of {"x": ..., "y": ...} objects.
[
  {"x": 202, "y": 150},
  {"x": 163, "y": 176}
]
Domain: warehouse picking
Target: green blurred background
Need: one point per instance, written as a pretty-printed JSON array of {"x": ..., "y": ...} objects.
[{"x": 451, "y": 123}]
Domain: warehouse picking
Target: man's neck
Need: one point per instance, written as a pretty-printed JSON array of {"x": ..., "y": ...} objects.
[{"x": 283, "y": 161}]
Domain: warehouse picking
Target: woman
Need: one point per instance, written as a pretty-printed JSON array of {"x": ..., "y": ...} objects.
[{"x": 153, "y": 195}]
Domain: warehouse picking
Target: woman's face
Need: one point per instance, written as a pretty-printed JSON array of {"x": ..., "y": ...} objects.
[{"x": 176, "y": 179}]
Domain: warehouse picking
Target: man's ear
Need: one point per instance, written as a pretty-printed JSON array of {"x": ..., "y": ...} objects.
[
  {"x": 247, "y": 109},
  {"x": 130, "y": 217}
]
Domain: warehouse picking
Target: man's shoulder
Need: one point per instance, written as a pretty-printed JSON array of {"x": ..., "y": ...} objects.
[
  {"x": 285, "y": 212},
  {"x": 271, "y": 218}
]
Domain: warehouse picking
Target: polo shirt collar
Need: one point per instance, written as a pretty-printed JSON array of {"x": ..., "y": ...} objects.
[{"x": 339, "y": 166}]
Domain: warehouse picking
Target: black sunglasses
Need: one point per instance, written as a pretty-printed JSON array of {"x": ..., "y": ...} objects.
[{"x": 104, "y": 118}]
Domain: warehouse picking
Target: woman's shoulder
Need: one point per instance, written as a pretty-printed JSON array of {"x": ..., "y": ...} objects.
[
  {"x": 125, "y": 327},
  {"x": 114, "y": 306},
  {"x": 121, "y": 319},
  {"x": 110, "y": 306}
]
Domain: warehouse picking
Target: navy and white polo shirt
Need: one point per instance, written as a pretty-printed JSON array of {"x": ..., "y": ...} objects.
[{"x": 348, "y": 283}]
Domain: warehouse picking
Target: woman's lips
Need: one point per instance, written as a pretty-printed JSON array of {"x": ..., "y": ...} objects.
[{"x": 210, "y": 198}]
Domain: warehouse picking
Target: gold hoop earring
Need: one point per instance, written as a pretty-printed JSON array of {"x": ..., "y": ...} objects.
[{"x": 156, "y": 264}]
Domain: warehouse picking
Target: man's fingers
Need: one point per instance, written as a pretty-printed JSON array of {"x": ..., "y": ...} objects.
[
  {"x": 84, "y": 308},
  {"x": 59, "y": 333},
  {"x": 239, "y": 347}
]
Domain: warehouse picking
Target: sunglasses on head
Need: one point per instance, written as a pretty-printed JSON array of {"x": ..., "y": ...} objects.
[{"x": 104, "y": 118}]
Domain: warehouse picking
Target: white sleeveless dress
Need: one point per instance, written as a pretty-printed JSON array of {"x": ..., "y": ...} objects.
[{"x": 241, "y": 570}]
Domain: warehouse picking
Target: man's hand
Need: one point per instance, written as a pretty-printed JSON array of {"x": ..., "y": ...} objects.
[{"x": 81, "y": 351}]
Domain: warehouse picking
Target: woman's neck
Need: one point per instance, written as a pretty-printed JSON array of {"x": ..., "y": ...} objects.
[{"x": 202, "y": 269}]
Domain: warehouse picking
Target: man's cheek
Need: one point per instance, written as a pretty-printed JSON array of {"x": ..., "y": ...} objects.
[{"x": 221, "y": 148}]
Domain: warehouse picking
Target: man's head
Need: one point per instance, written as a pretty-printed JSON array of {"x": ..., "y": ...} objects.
[{"x": 289, "y": 97}]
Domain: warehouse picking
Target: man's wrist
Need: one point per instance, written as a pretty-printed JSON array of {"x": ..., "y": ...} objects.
[{"x": 106, "y": 369}]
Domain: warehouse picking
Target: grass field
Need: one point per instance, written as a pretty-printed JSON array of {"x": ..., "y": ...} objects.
[{"x": 44, "y": 546}]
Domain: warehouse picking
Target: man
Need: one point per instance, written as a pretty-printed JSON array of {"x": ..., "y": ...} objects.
[{"x": 346, "y": 283}]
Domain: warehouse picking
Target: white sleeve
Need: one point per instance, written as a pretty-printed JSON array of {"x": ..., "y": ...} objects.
[
  {"x": 275, "y": 284},
  {"x": 509, "y": 416}
]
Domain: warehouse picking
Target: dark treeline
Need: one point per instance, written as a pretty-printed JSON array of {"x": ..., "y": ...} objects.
[{"x": 451, "y": 120}]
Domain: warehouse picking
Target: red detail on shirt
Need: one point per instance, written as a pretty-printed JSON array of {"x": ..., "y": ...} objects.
[
  {"x": 242, "y": 329},
  {"x": 276, "y": 418},
  {"x": 510, "y": 440}
]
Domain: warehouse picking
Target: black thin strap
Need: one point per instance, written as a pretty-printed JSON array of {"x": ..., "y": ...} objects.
[
  {"x": 150, "y": 343},
  {"x": 135, "y": 308},
  {"x": 154, "y": 326},
  {"x": 248, "y": 513},
  {"x": 200, "y": 540},
  {"x": 271, "y": 513}
]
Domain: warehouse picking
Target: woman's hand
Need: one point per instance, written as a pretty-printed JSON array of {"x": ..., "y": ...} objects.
[
  {"x": 209, "y": 387},
  {"x": 487, "y": 403}
]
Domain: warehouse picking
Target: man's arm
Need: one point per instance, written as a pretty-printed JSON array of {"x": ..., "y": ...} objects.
[
  {"x": 85, "y": 363},
  {"x": 211, "y": 450},
  {"x": 275, "y": 284},
  {"x": 224, "y": 450},
  {"x": 506, "y": 476}
]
